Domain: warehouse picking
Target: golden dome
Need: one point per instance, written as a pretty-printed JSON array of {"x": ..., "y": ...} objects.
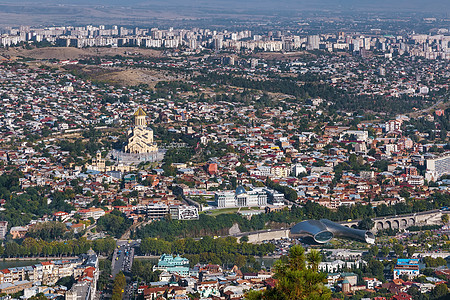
[{"x": 140, "y": 112}]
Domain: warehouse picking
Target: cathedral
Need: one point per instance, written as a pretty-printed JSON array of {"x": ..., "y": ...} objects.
[{"x": 140, "y": 137}]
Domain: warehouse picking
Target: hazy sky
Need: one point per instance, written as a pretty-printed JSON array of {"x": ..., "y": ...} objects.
[
  {"x": 417, "y": 5},
  {"x": 63, "y": 12}
]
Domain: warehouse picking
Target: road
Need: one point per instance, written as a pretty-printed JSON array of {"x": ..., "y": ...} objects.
[
  {"x": 129, "y": 291},
  {"x": 122, "y": 260},
  {"x": 123, "y": 257},
  {"x": 127, "y": 233},
  {"x": 409, "y": 215},
  {"x": 88, "y": 230},
  {"x": 440, "y": 104}
]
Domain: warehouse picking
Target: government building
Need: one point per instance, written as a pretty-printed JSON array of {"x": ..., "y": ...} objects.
[{"x": 140, "y": 137}]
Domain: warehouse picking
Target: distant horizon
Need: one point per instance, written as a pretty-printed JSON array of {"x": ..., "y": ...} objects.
[
  {"x": 440, "y": 6},
  {"x": 135, "y": 12}
]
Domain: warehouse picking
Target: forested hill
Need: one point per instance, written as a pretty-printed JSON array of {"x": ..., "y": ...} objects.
[{"x": 339, "y": 99}]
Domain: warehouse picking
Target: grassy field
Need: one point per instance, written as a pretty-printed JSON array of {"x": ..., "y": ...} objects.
[
  {"x": 233, "y": 210},
  {"x": 216, "y": 212}
]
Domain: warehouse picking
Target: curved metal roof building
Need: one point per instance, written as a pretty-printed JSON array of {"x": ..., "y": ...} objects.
[{"x": 323, "y": 231}]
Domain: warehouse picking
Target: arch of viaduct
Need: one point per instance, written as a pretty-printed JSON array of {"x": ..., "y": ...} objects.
[{"x": 402, "y": 221}]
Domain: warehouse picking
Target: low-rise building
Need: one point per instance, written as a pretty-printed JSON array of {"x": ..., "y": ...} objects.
[
  {"x": 92, "y": 212},
  {"x": 178, "y": 265},
  {"x": 372, "y": 283},
  {"x": 12, "y": 288},
  {"x": 18, "y": 232},
  {"x": 408, "y": 267},
  {"x": 183, "y": 212}
]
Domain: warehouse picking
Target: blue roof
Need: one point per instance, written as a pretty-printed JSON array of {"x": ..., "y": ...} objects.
[
  {"x": 240, "y": 190},
  {"x": 93, "y": 172}
]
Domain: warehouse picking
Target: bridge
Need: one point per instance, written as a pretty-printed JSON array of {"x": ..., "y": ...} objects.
[{"x": 431, "y": 217}]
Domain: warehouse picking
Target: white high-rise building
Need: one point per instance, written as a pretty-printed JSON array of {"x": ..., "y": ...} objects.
[
  {"x": 298, "y": 169},
  {"x": 437, "y": 167},
  {"x": 313, "y": 42}
]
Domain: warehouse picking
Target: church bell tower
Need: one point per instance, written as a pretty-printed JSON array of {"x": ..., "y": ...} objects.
[
  {"x": 140, "y": 118},
  {"x": 140, "y": 137}
]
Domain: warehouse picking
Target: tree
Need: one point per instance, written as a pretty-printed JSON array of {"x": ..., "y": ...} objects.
[
  {"x": 385, "y": 251},
  {"x": 105, "y": 271},
  {"x": 410, "y": 250},
  {"x": 373, "y": 251},
  {"x": 366, "y": 224},
  {"x": 414, "y": 291},
  {"x": 431, "y": 262},
  {"x": 67, "y": 281},
  {"x": 47, "y": 231},
  {"x": 114, "y": 223},
  {"x": 398, "y": 249},
  {"x": 38, "y": 296},
  {"x": 440, "y": 292},
  {"x": 375, "y": 267},
  {"x": 445, "y": 218},
  {"x": 372, "y": 152},
  {"x": 314, "y": 257},
  {"x": 297, "y": 280},
  {"x": 241, "y": 169},
  {"x": 119, "y": 286},
  {"x": 142, "y": 271},
  {"x": 11, "y": 249}
]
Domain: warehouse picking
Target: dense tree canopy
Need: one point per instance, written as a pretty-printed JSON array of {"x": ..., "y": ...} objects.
[
  {"x": 115, "y": 223},
  {"x": 142, "y": 271},
  {"x": 31, "y": 247},
  {"x": 47, "y": 231},
  {"x": 298, "y": 279}
]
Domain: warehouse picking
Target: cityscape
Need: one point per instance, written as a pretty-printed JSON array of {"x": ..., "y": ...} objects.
[{"x": 224, "y": 151}]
